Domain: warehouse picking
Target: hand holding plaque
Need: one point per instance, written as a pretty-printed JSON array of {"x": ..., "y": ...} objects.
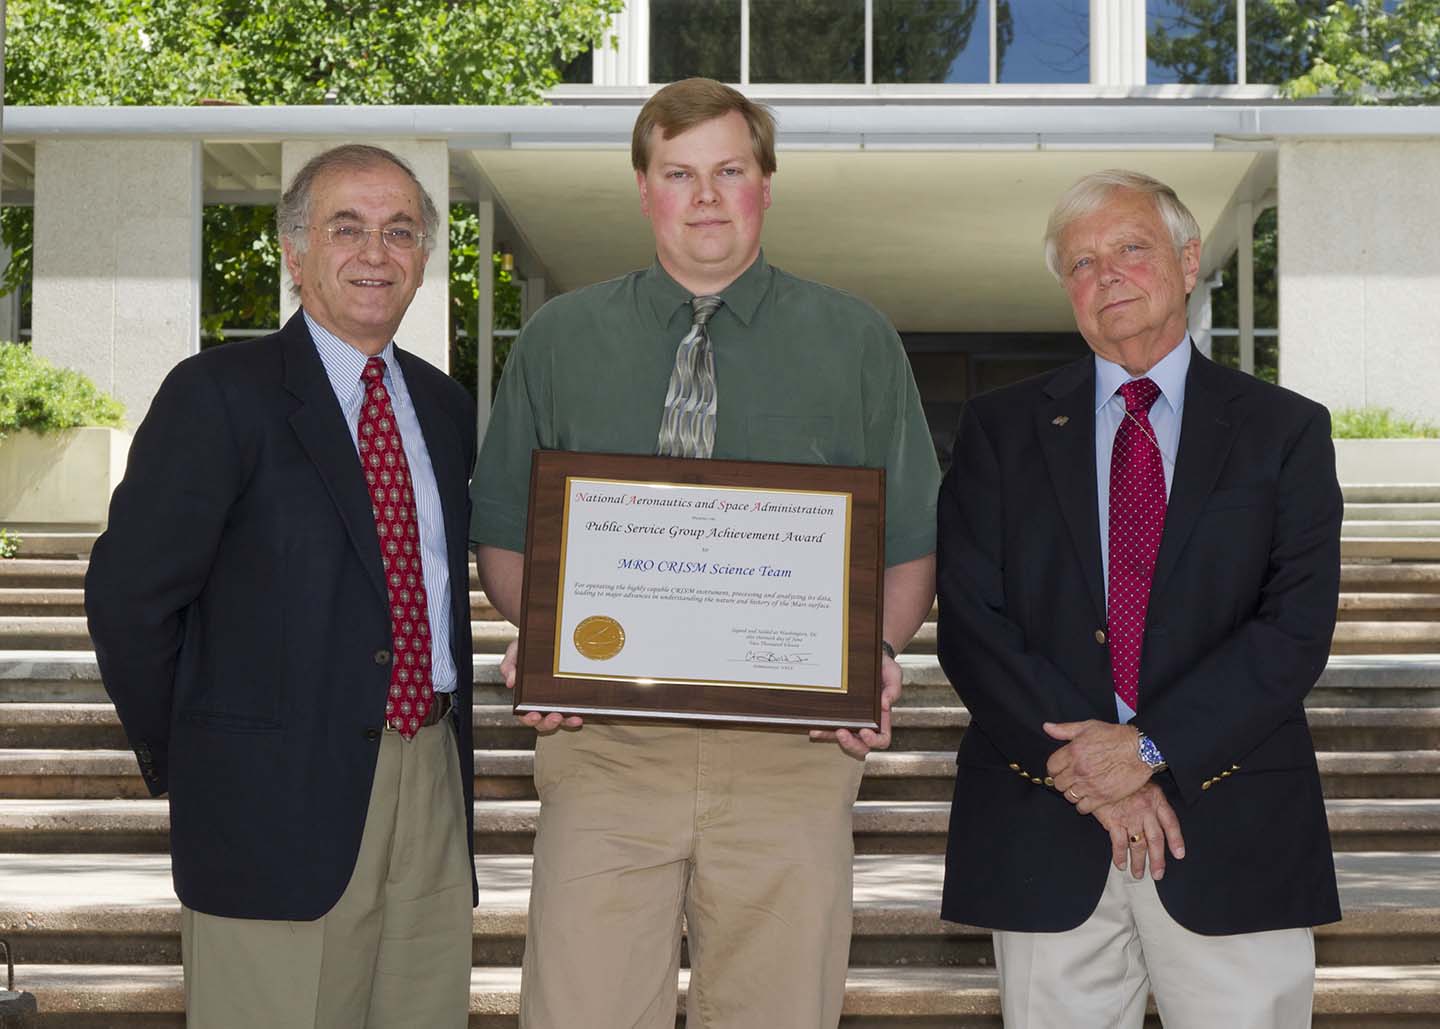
[{"x": 702, "y": 591}]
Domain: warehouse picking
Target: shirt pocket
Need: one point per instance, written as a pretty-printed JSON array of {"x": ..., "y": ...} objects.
[{"x": 802, "y": 439}]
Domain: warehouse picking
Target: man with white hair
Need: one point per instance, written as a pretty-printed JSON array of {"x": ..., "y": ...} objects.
[{"x": 1138, "y": 564}]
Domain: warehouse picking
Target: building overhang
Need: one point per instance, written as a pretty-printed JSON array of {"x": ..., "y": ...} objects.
[{"x": 933, "y": 211}]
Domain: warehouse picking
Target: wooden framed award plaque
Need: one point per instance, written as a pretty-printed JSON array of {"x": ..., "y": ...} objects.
[{"x": 702, "y": 591}]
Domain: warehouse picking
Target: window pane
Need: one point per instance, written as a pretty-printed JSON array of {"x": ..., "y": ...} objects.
[
  {"x": 1271, "y": 55},
  {"x": 807, "y": 41},
  {"x": 1190, "y": 41},
  {"x": 932, "y": 41},
  {"x": 694, "y": 37},
  {"x": 578, "y": 71},
  {"x": 1043, "y": 40}
]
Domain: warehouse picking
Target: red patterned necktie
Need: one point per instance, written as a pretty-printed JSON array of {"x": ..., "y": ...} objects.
[
  {"x": 393, "y": 502},
  {"x": 1137, "y": 518}
]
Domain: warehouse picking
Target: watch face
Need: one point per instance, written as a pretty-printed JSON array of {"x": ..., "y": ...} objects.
[{"x": 1149, "y": 753}]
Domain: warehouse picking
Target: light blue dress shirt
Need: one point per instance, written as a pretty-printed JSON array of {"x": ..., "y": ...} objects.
[
  {"x": 344, "y": 365},
  {"x": 1165, "y": 416}
]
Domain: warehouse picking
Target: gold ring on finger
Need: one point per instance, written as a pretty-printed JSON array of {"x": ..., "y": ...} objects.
[
  {"x": 1073, "y": 795},
  {"x": 1136, "y": 838}
]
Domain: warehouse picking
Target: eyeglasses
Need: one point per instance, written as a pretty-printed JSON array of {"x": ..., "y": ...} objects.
[{"x": 349, "y": 236}]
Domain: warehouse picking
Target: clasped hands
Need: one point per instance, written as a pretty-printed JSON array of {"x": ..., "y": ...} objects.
[
  {"x": 856, "y": 744},
  {"x": 1099, "y": 771}
]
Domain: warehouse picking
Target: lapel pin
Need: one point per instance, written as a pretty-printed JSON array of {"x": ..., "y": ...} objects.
[{"x": 1060, "y": 419}]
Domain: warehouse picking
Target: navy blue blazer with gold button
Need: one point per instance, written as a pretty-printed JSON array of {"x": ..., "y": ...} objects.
[
  {"x": 1241, "y": 614},
  {"x": 239, "y": 615}
]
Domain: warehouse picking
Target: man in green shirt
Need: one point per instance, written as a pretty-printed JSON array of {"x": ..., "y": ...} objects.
[{"x": 745, "y": 833}]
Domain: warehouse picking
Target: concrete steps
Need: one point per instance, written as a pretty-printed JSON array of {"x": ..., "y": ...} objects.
[
  {"x": 97, "y": 942},
  {"x": 1396, "y": 635},
  {"x": 85, "y": 894},
  {"x": 44, "y": 774},
  {"x": 24, "y": 603},
  {"x": 122, "y": 996},
  {"x": 61, "y": 826},
  {"x": 121, "y": 909}
]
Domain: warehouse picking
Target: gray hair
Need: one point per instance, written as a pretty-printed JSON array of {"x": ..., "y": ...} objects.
[
  {"x": 1089, "y": 194},
  {"x": 292, "y": 216}
]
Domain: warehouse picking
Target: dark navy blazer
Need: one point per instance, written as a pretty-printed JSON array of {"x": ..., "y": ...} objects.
[
  {"x": 241, "y": 621},
  {"x": 1241, "y": 614}
]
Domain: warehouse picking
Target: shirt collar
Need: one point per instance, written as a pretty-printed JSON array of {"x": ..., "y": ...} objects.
[
  {"x": 1169, "y": 374},
  {"x": 742, "y": 297},
  {"x": 343, "y": 363}
]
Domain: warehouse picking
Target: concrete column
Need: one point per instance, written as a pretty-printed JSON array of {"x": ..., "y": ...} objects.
[
  {"x": 623, "y": 56},
  {"x": 426, "y": 328},
  {"x": 533, "y": 297},
  {"x": 1199, "y": 315},
  {"x": 117, "y": 261},
  {"x": 9, "y": 304},
  {"x": 485, "y": 317},
  {"x": 1359, "y": 265},
  {"x": 1117, "y": 42},
  {"x": 1245, "y": 283}
]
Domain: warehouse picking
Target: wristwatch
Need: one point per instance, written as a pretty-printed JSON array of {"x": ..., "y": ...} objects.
[
  {"x": 888, "y": 650},
  {"x": 1150, "y": 754}
]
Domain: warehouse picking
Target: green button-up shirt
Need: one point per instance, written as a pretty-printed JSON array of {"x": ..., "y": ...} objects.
[{"x": 803, "y": 373}]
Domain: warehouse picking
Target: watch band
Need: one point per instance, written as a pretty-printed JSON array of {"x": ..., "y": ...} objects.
[{"x": 888, "y": 650}]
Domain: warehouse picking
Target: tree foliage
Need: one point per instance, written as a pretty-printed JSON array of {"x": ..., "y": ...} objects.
[
  {"x": 1349, "y": 51},
  {"x": 180, "y": 52},
  {"x": 1362, "y": 53},
  {"x": 294, "y": 51}
]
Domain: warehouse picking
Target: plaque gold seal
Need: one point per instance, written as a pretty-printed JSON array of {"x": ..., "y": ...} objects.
[{"x": 599, "y": 637}]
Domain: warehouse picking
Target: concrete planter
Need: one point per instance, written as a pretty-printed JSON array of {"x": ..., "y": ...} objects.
[
  {"x": 61, "y": 478},
  {"x": 1388, "y": 461}
]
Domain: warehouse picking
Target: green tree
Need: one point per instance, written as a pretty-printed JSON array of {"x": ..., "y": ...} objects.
[
  {"x": 918, "y": 40},
  {"x": 1362, "y": 53},
  {"x": 179, "y": 52}
]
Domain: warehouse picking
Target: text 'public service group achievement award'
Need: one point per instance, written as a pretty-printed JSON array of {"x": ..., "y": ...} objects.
[{"x": 730, "y": 591}]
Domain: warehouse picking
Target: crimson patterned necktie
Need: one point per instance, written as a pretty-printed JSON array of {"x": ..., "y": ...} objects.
[
  {"x": 1137, "y": 518},
  {"x": 393, "y": 502}
]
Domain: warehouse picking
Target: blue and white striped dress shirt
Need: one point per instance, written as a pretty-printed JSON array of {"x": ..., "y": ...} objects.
[{"x": 343, "y": 364}]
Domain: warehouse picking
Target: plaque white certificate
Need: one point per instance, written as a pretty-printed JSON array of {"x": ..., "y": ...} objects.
[{"x": 704, "y": 585}]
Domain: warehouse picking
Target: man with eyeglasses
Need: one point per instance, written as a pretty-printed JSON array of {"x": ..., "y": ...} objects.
[{"x": 281, "y": 615}]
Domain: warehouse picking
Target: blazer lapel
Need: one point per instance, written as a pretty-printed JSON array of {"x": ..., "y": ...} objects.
[
  {"x": 1065, "y": 424},
  {"x": 321, "y": 429},
  {"x": 1207, "y": 432}
]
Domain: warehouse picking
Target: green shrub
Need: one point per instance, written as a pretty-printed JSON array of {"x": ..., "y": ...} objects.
[
  {"x": 36, "y": 395},
  {"x": 1379, "y": 423},
  {"x": 9, "y": 544}
]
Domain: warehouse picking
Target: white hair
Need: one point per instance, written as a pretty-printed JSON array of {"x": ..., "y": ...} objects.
[{"x": 1090, "y": 194}]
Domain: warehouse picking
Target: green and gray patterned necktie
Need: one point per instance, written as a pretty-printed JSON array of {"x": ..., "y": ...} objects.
[{"x": 687, "y": 428}]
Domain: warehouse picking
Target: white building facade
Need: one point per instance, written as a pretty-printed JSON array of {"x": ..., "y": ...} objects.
[{"x": 921, "y": 147}]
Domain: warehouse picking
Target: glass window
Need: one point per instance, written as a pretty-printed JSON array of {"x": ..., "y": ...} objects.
[
  {"x": 1190, "y": 41},
  {"x": 580, "y": 70},
  {"x": 694, "y": 37},
  {"x": 1042, "y": 40},
  {"x": 807, "y": 41},
  {"x": 1272, "y": 54},
  {"x": 932, "y": 40}
]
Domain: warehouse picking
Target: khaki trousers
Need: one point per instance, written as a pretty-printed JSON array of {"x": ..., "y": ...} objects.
[
  {"x": 1099, "y": 974},
  {"x": 394, "y": 951},
  {"x": 746, "y": 834}
]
